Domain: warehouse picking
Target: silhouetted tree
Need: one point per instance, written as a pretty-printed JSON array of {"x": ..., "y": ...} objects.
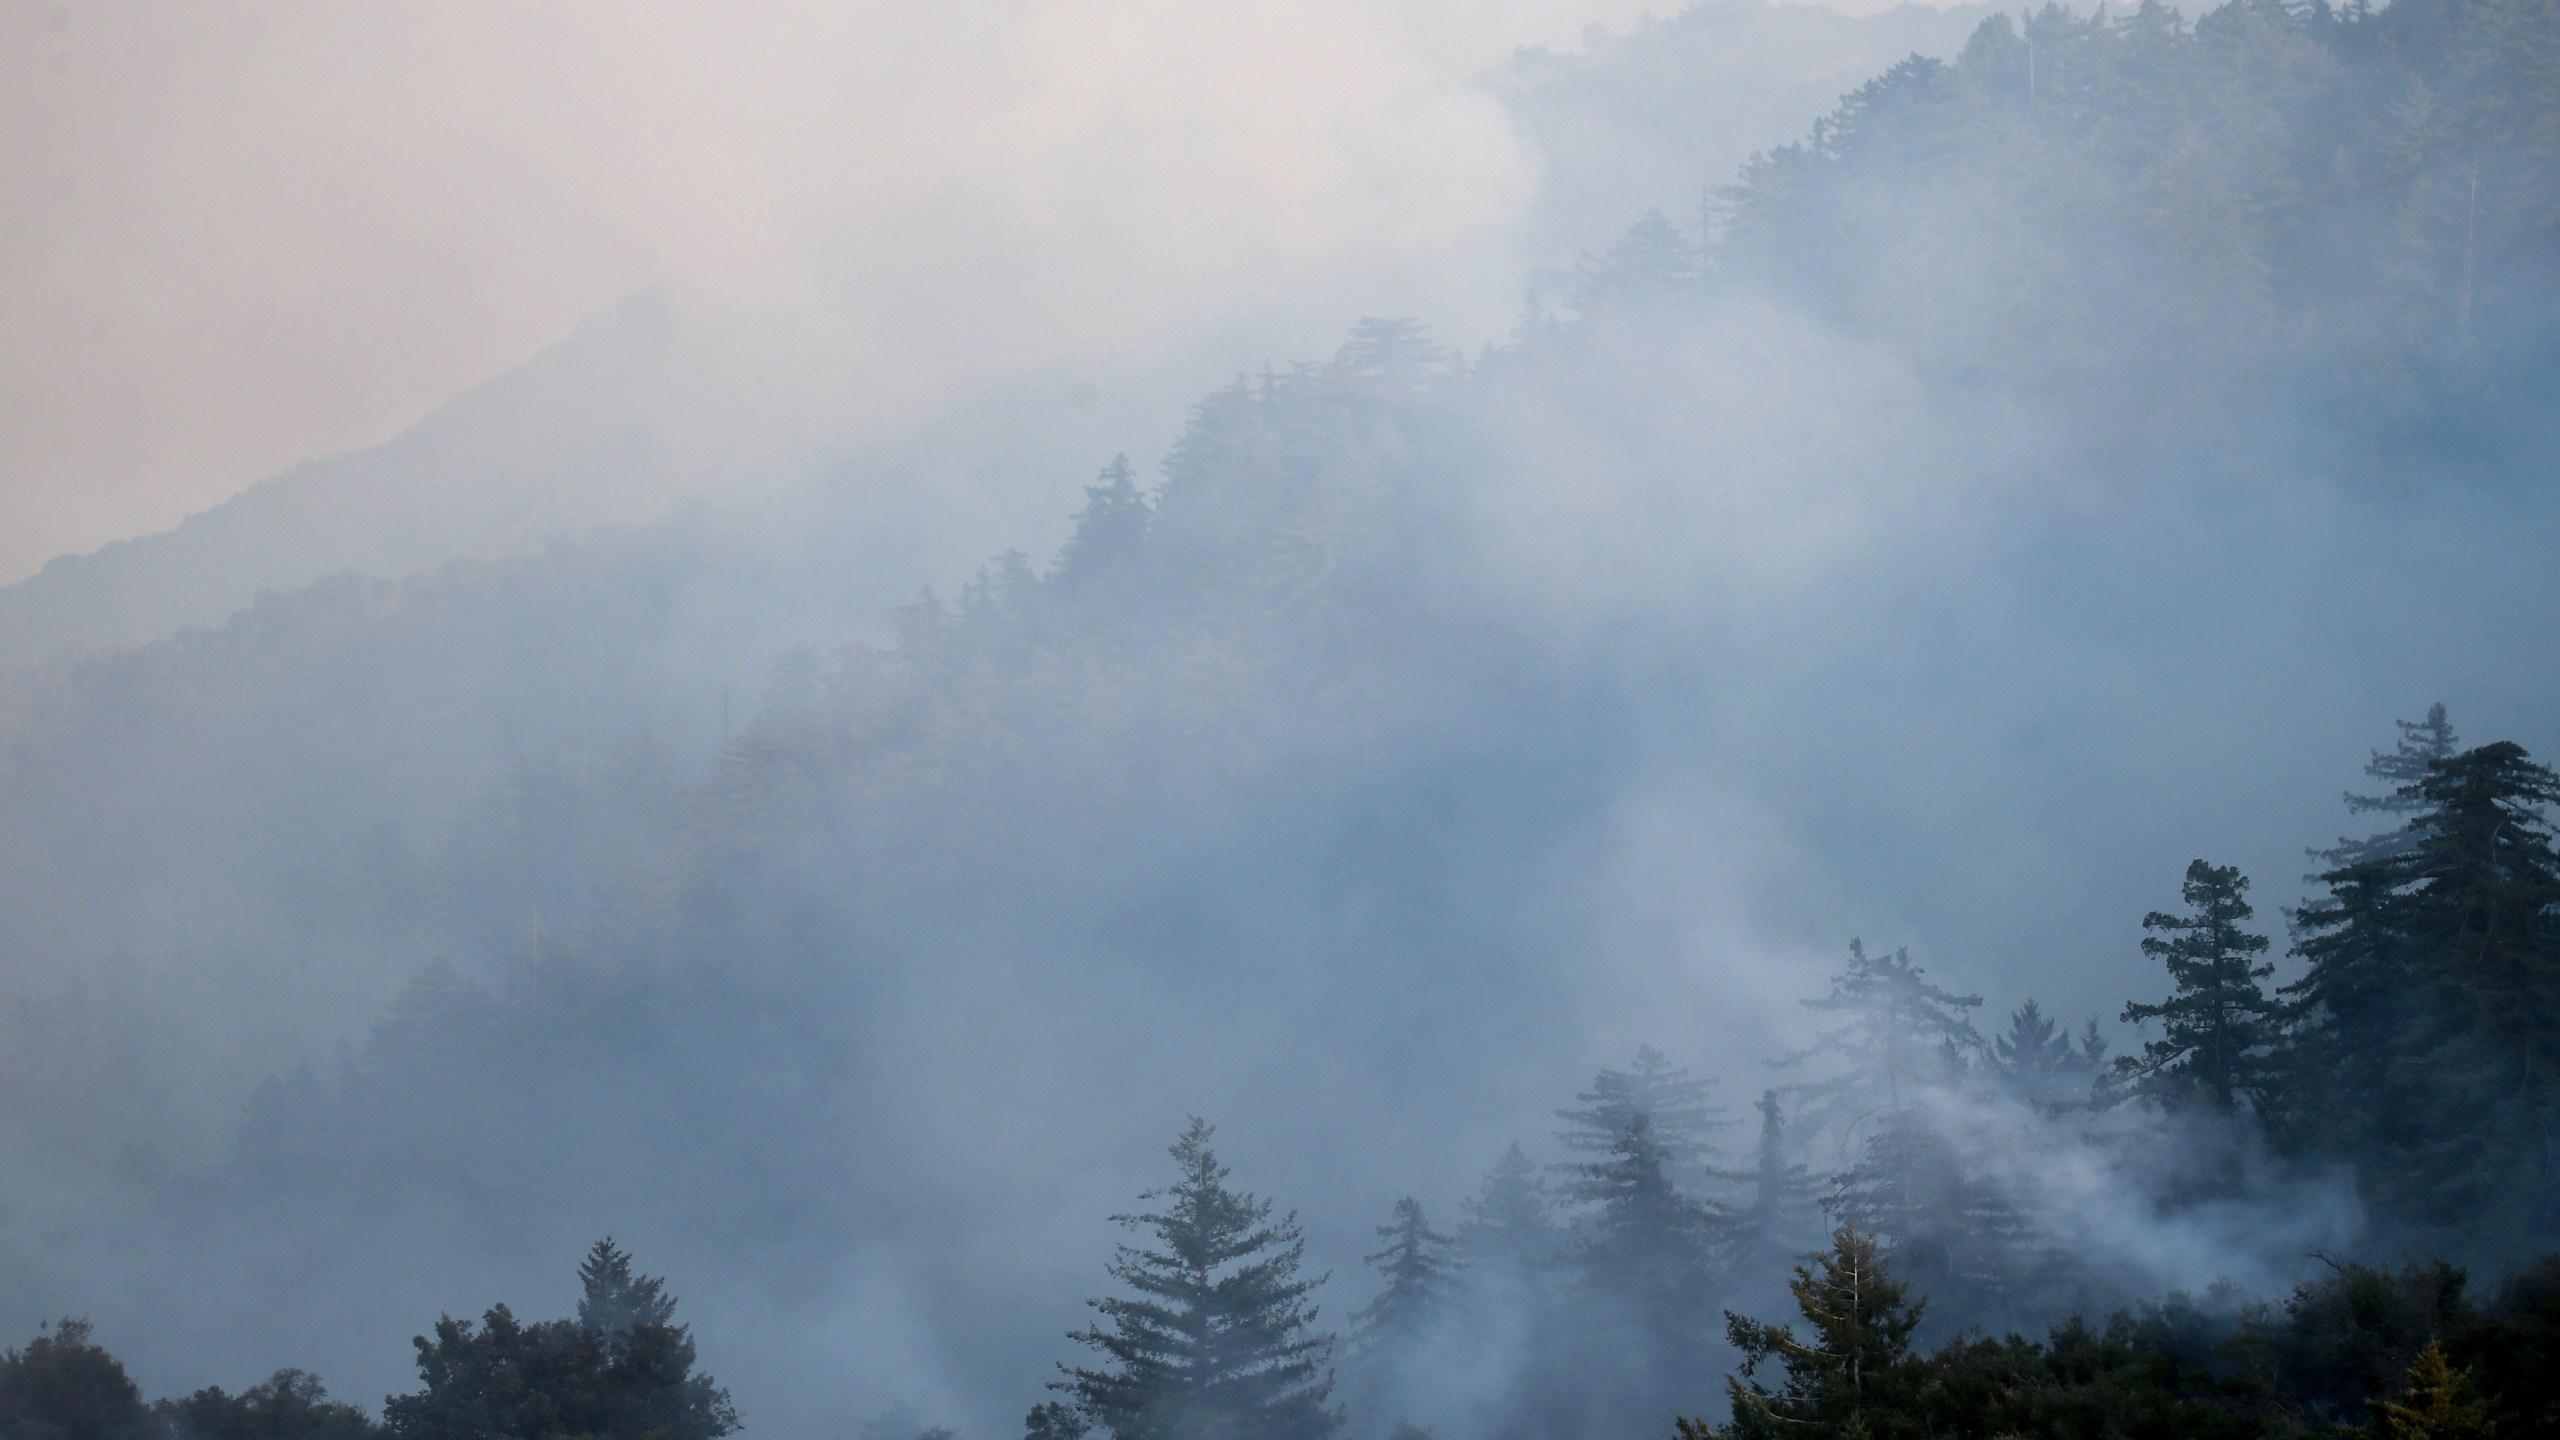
[
  {"x": 612, "y": 1298},
  {"x": 2421, "y": 744},
  {"x": 65, "y": 1386},
  {"x": 1420, "y": 1281},
  {"x": 2218, "y": 1027},
  {"x": 1778, "y": 1217},
  {"x": 1673, "y": 1103},
  {"x": 290, "y": 1405},
  {"x": 1508, "y": 1224},
  {"x": 1896, "y": 1027},
  {"x": 2041, "y": 1063},
  {"x": 1218, "y": 1338},
  {"x": 1851, "y": 1373},
  {"x": 1103, "y": 565},
  {"x": 507, "y": 1380}
]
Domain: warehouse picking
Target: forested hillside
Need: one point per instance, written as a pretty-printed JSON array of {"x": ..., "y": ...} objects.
[{"x": 1875, "y": 652}]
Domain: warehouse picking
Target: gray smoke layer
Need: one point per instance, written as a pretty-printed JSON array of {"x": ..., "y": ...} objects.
[{"x": 1420, "y": 733}]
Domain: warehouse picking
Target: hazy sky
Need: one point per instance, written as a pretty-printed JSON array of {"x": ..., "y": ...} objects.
[{"x": 237, "y": 235}]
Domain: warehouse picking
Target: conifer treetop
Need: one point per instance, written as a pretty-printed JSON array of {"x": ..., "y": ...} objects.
[{"x": 1218, "y": 1337}]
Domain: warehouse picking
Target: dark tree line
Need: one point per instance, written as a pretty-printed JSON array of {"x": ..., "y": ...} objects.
[
  {"x": 2406, "y": 1353},
  {"x": 1613, "y": 1269},
  {"x": 620, "y": 1369}
]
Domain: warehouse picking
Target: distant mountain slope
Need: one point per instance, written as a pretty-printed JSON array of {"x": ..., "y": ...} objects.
[
  {"x": 659, "y": 399},
  {"x": 610, "y": 424},
  {"x": 1648, "y": 119}
]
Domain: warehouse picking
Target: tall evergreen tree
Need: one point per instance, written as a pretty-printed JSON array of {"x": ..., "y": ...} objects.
[
  {"x": 2438, "y": 1402},
  {"x": 1902, "y": 1056},
  {"x": 1218, "y": 1338},
  {"x": 1778, "y": 1215},
  {"x": 1652, "y": 262},
  {"x": 1852, "y": 1374},
  {"x": 2421, "y": 744},
  {"x": 2481, "y": 1048},
  {"x": 1420, "y": 1280},
  {"x": 1640, "y": 1230},
  {"x": 1889, "y": 1049},
  {"x": 2344, "y": 1016},
  {"x": 1645, "y": 1264},
  {"x": 1679, "y": 1118},
  {"x": 2218, "y": 1027},
  {"x": 613, "y": 1299},
  {"x": 1396, "y": 353},
  {"x": 2042, "y": 1064},
  {"x": 1103, "y": 563},
  {"x": 2429, "y": 1010},
  {"x": 1508, "y": 1225},
  {"x": 1953, "y": 1229}
]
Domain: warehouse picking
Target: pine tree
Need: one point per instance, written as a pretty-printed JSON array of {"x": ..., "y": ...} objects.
[
  {"x": 1853, "y": 1374},
  {"x": 612, "y": 1299},
  {"x": 1678, "y": 1116},
  {"x": 1650, "y": 263},
  {"x": 2421, "y": 744},
  {"x": 1954, "y": 1231},
  {"x": 791, "y": 686},
  {"x": 1639, "y": 1225},
  {"x": 2344, "y": 1016},
  {"x": 2041, "y": 1064},
  {"x": 1778, "y": 1213},
  {"x": 1509, "y": 1224},
  {"x": 1642, "y": 1266},
  {"x": 1896, "y": 1027},
  {"x": 2479, "y": 1051},
  {"x": 1646, "y": 1255},
  {"x": 1219, "y": 1339},
  {"x": 622, "y": 1367},
  {"x": 1394, "y": 353},
  {"x": 2428, "y": 1014},
  {"x": 1103, "y": 564},
  {"x": 1420, "y": 1278},
  {"x": 2218, "y": 1028},
  {"x": 2437, "y": 1402}
]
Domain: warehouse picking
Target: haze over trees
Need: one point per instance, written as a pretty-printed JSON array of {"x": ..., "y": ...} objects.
[{"x": 1773, "y": 789}]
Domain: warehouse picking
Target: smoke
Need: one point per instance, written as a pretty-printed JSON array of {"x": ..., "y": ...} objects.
[
  {"x": 1476, "y": 724},
  {"x": 245, "y": 237}
]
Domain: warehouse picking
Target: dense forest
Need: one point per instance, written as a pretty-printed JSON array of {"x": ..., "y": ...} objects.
[{"x": 2126, "y": 409}]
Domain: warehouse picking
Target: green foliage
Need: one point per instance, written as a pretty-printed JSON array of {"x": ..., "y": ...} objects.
[
  {"x": 1851, "y": 1373},
  {"x": 2217, "y": 1027},
  {"x": 2438, "y": 1403},
  {"x": 505, "y": 1379},
  {"x": 65, "y": 1386},
  {"x": 290, "y": 1405},
  {"x": 2360, "y": 1352},
  {"x": 2428, "y": 1015},
  {"x": 1218, "y": 1340}
]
